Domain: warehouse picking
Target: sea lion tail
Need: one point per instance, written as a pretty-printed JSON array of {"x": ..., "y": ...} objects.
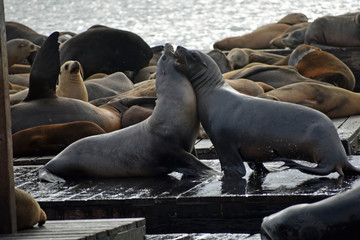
[{"x": 47, "y": 176}]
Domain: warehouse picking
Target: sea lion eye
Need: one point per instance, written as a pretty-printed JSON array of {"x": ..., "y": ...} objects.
[
  {"x": 163, "y": 57},
  {"x": 66, "y": 66}
]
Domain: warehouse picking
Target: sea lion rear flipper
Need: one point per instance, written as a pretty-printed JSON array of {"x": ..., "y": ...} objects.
[
  {"x": 318, "y": 170},
  {"x": 45, "y": 70},
  {"x": 189, "y": 165},
  {"x": 47, "y": 176}
]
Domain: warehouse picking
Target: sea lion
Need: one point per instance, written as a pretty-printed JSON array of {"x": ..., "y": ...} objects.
[
  {"x": 28, "y": 211},
  {"x": 260, "y": 38},
  {"x": 221, "y": 60},
  {"x": 336, "y": 217},
  {"x": 241, "y": 130},
  {"x": 19, "y": 49},
  {"x": 106, "y": 50},
  {"x": 333, "y": 101},
  {"x": 340, "y": 31},
  {"x": 19, "y": 69},
  {"x": 292, "y": 37},
  {"x": 240, "y": 57},
  {"x": 135, "y": 151},
  {"x": 41, "y": 105},
  {"x": 145, "y": 73},
  {"x": 71, "y": 83},
  {"x": 109, "y": 85},
  {"x": 51, "y": 139},
  {"x": 275, "y": 76},
  {"x": 246, "y": 86},
  {"x": 314, "y": 63}
]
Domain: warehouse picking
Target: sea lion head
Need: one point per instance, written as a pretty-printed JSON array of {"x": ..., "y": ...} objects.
[
  {"x": 71, "y": 68},
  {"x": 194, "y": 63},
  {"x": 166, "y": 59}
]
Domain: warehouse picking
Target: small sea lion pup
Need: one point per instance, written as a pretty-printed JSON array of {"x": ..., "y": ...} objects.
[
  {"x": 314, "y": 63},
  {"x": 156, "y": 146},
  {"x": 337, "y": 217},
  {"x": 28, "y": 211},
  {"x": 245, "y": 128}
]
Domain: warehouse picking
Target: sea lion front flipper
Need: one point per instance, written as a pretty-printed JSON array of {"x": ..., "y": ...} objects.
[
  {"x": 47, "y": 176},
  {"x": 45, "y": 70}
]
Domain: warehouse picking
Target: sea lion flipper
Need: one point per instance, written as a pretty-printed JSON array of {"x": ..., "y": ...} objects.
[
  {"x": 47, "y": 176},
  {"x": 187, "y": 164},
  {"x": 45, "y": 70}
]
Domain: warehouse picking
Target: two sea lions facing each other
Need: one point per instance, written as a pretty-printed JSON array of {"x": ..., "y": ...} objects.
[
  {"x": 135, "y": 150},
  {"x": 241, "y": 130}
]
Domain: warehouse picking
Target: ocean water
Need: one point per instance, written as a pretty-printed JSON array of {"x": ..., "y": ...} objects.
[{"x": 194, "y": 24}]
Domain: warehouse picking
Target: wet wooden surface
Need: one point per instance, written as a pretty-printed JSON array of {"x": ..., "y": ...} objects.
[
  {"x": 174, "y": 204},
  {"x": 101, "y": 229}
]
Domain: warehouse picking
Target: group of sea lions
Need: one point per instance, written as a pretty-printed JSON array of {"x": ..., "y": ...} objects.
[{"x": 148, "y": 126}]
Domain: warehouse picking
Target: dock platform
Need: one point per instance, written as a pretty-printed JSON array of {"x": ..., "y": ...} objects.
[
  {"x": 175, "y": 204},
  {"x": 100, "y": 229}
]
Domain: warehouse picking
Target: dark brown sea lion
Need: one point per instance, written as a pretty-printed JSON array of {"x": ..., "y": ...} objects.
[
  {"x": 241, "y": 130},
  {"x": 292, "y": 37},
  {"x": 260, "y": 38},
  {"x": 134, "y": 151},
  {"x": 314, "y": 63},
  {"x": 337, "y": 217},
  {"x": 106, "y": 50},
  {"x": 51, "y": 139}
]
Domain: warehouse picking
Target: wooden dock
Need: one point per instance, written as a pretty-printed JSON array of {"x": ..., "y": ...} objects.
[
  {"x": 173, "y": 204},
  {"x": 100, "y": 229}
]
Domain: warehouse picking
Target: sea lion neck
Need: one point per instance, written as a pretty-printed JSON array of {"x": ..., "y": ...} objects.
[{"x": 207, "y": 79}]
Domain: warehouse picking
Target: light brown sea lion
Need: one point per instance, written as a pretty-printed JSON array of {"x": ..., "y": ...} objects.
[
  {"x": 261, "y": 37},
  {"x": 334, "y": 101},
  {"x": 275, "y": 76},
  {"x": 71, "y": 83},
  {"x": 96, "y": 76},
  {"x": 19, "y": 49},
  {"x": 134, "y": 151},
  {"x": 41, "y": 105},
  {"x": 246, "y": 86},
  {"x": 340, "y": 31},
  {"x": 240, "y": 57},
  {"x": 314, "y": 63},
  {"x": 28, "y": 211},
  {"x": 145, "y": 73},
  {"x": 241, "y": 130},
  {"x": 19, "y": 69},
  {"x": 51, "y": 139}
]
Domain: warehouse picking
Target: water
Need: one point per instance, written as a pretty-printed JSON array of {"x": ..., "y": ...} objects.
[{"x": 193, "y": 24}]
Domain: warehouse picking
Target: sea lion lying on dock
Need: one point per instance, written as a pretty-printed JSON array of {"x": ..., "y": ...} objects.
[{"x": 241, "y": 130}]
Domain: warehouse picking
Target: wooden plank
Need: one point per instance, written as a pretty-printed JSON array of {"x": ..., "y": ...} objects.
[
  {"x": 117, "y": 229},
  {"x": 7, "y": 197},
  {"x": 349, "y": 133}
]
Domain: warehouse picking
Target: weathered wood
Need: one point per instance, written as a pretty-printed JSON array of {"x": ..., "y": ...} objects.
[
  {"x": 100, "y": 229},
  {"x": 7, "y": 197}
]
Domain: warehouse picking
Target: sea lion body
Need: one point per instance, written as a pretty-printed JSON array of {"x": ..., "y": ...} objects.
[
  {"x": 28, "y": 211},
  {"x": 260, "y": 38},
  {"x": 337, "y": 217},
  {"x": 19, "y": 49},
  {"x": 340, "y": 31},
  {"x": 106, "y": 50},
  {"x": 51, "y": 139},
  {"x": 314, "y": 63},
  {"x": 135, "y": 151},
  {"x": 333, "y": 101},
  {"x": 257, "y": 130}
]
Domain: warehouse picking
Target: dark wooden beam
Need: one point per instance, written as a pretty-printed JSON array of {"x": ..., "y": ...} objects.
[{"x": 7, "y": 197}]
